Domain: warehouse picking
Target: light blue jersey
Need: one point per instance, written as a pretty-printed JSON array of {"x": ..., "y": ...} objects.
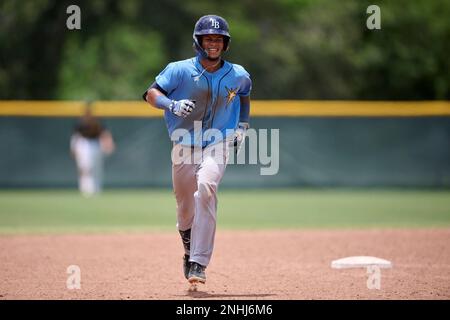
[{"x": 216, "y": 95}]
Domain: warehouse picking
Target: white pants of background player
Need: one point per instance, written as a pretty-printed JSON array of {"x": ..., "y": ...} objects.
[
  {"x": 195, "y": 185},
  {"x": 89, "y": 159}
]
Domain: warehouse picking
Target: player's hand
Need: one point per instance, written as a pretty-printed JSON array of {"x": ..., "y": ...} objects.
[
  {"x": 182, "y": 108},
  {"x": 239, "y": 135}
]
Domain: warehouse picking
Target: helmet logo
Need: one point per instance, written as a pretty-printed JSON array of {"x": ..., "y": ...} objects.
[{"x": 214, "y": 23}]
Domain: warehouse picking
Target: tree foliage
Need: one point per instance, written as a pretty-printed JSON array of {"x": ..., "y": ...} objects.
[{"x": 293, "y": 49}]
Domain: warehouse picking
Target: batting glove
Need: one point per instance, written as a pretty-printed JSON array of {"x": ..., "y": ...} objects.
[
  {"x": 182, "y": 108},
  {"x": 239, "y": 135}
]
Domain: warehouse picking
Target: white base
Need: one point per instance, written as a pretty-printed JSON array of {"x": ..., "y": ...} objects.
[{"x": 360, "y": 262}]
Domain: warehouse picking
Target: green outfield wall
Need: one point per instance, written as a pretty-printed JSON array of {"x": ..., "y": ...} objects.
[{"x": 322, "y": 151}]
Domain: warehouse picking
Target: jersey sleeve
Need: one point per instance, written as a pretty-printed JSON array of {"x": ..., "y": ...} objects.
[
  {"x": 246, "y": 85},
  {"x": 169, "y": 78}
]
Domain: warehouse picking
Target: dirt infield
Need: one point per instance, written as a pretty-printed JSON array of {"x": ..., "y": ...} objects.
[{"x": 245, "y": 265}]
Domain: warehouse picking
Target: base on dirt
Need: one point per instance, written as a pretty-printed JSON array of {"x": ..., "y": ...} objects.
[{"x": 360, "y": 262}]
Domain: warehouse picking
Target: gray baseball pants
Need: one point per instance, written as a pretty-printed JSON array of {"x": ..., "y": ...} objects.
[{"x": 196, "y": 174}]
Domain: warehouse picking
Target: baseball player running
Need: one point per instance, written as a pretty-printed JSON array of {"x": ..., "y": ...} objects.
[{"x": 210, "y": 91}]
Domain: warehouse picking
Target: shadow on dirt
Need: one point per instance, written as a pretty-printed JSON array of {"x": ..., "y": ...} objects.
[{"x": 206, "y": 295}]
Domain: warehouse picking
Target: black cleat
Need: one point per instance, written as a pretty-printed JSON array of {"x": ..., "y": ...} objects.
[
  {"x": 186, "y": 266},
  {"x": 197, "y": 273}
]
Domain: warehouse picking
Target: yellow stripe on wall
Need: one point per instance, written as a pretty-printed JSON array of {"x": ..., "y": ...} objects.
[
  {"x": 76, "y": 109},
  {"x": 350, "y": 108},
  {"x": 259, "y": 108}
]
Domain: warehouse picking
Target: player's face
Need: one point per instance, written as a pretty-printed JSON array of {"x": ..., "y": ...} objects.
[{"x": 213, "y": 44}]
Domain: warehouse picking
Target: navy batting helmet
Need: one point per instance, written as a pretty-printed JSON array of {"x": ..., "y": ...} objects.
[{"x": 210, "y": 24}]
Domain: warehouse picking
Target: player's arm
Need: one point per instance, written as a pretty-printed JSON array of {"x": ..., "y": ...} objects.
[
  {"x": 244, "y": 113},
  {"x": 156, "y": 96},
  {"x": 73, "y": 139},
  {"x": 72, "y": 145},
  {"x": 244, "y": 118},
  {"x": 153, "y": 93},
  {"x": 107, "y": 142}
]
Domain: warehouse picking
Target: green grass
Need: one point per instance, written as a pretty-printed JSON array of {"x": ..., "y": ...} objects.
[{"x": 138, "y": 210}]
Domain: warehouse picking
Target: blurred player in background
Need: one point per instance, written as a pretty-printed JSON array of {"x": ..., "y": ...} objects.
[
  {"x": 89, "y": 143},
  {"x": 208, "y": 91}
]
